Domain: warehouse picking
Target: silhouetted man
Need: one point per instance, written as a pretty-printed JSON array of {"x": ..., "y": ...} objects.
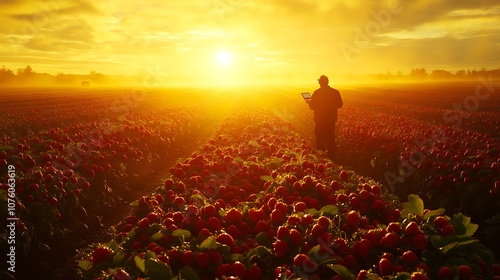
[{"x": 325, "y": 101}]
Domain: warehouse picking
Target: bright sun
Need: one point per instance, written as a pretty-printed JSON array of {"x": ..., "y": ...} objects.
[{"x": 224, "y": 58}]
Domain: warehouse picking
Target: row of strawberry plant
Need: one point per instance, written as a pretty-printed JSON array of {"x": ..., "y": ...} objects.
[
  {"x": 257, "y": 202},
  {"x": 68, "y": 177}
]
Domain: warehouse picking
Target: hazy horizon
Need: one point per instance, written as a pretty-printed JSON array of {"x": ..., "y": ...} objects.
[{"x": 236, "y": 42}]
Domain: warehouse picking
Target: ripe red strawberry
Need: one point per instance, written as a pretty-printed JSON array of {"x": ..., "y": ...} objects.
[
  {"x": 496, "y": 269},
  {"x": 53, "y": 201},
  {"x": 445, "y": 272},
  {"x": 410, "y": 258},
  {"x": 378, "y": 205},
  {"x": 351, "y": 262},
  {"x": 255, "y": 215},
  {"x": 233, "y": 216},
  {"x": 272, "y": 202},
  {"x": 295, "y": 237},
  {"x": 300, "y": 206},
  {"x": 340, "y": 247},
  {"x": 307, "y": 220},
  {"x": 373, "y": 236},
  {"x": 300, "y": 260},
  {"x": 447, "y": 230},
  {"x": 283, "y": 207},
  {"x": 342, "y": 198},
  {"x": 143, "y": 224},
  {"x": 223, "y": 270},
  {"x": 317, "y": 230},
  {"x": 253, "y": 272},
  {"x": 215, "y": 257},
  {"x": 283, "y": 233},
  {"x": 226, "y": 239},
  {"x": 202, "y": 260},
  {"x": 101, "y": 254},
  {"x": 360, "y": 249},
  {"x": 209, "y": 211},
  {"x": 399, "y": 268},
  {"x": 177, "y": 217},
  {"x": 417, "y": 275},
  {"x": 153, "y": 217},
  {"x": 465, "y": 271},
  {"x": 293, "y": 220},
  {"x": 344, "y": 175},
  {"x": 440, "y": 222},
  {"x": 352, "y": 218},
  {"x": 362, "y": 275},
  {"x": 412, "y": 228},
  {"x": 419, "y": 241},
  {"x": 238, "y": 269},
  {"x": 324, "y": 221},
  {"x": 214, "y": 224},
  {"x": 282, "y": 191},
  {"x": 277, "y": 216},
  {"x": 484, "y": 267},
  {"x": 422, "y": 266},
  {"x": 281, "y": 248},
  {"x": 385, "y": 267},
  {"x": 390, "y": 240},
  {"x": 364, "y": 195},
  {"x": 187, "y": 258},
  {"x": 121, "y": 274},
  {"x": 394, "y": 227},
  {"x": 375, "y": 189}
]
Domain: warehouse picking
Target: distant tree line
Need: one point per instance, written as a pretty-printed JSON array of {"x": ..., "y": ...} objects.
[
  {"x": 27, "y": 76},
  {"x": 439, "y": 74}
]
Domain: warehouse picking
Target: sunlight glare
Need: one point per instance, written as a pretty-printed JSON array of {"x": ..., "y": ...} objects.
[{"x": 224, "y": 58}]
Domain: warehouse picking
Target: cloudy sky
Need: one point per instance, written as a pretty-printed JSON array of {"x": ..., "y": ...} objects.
[{"x": 205, "y": 41}]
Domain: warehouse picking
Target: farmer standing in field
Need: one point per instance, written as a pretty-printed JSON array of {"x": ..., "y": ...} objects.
[{"x": 325, "y": 102}]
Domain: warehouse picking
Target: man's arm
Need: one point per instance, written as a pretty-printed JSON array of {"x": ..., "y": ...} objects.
[
  {"x": 311, "y": 102},
  {"x": 340, "y": 102}
]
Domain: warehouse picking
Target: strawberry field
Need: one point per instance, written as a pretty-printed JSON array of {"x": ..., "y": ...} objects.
[{"x": 226, "y": 184}]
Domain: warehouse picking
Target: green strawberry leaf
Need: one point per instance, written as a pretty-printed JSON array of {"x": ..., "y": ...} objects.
[
  {"x": 181, "y": 232},
  {"x": 118, "y": 257},
  {"x": 134, "y": 203},
  {"x": 156, "y": 236},
  {"x": 254, "y": 143},
  {"x": 463, "y": 226},
  {"x": 157, "y": 270},
  {"x": 113, "y": 245},
  {"x": 139, "y": 262},
  {"x": 85, "y": 264},
  {"x": 208, "y": 243},
  {"x": 236, "y": 257},
  {"x": 342, "y": 271},
  {"x": 188, "y": 273},
  {"x": 267, "y": 178},
  {"x": 329, "y": 210},
  {"x": 432, "y": 213},
  {"x": 260, "y": 251},
  {"x": 262, "y": 238},
  {"x": 415, "y": 205},
  {"x": 450, "y": 246}
]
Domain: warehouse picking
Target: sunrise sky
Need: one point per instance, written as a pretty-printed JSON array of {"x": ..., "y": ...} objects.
[{"x": 236, "y": 41}]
